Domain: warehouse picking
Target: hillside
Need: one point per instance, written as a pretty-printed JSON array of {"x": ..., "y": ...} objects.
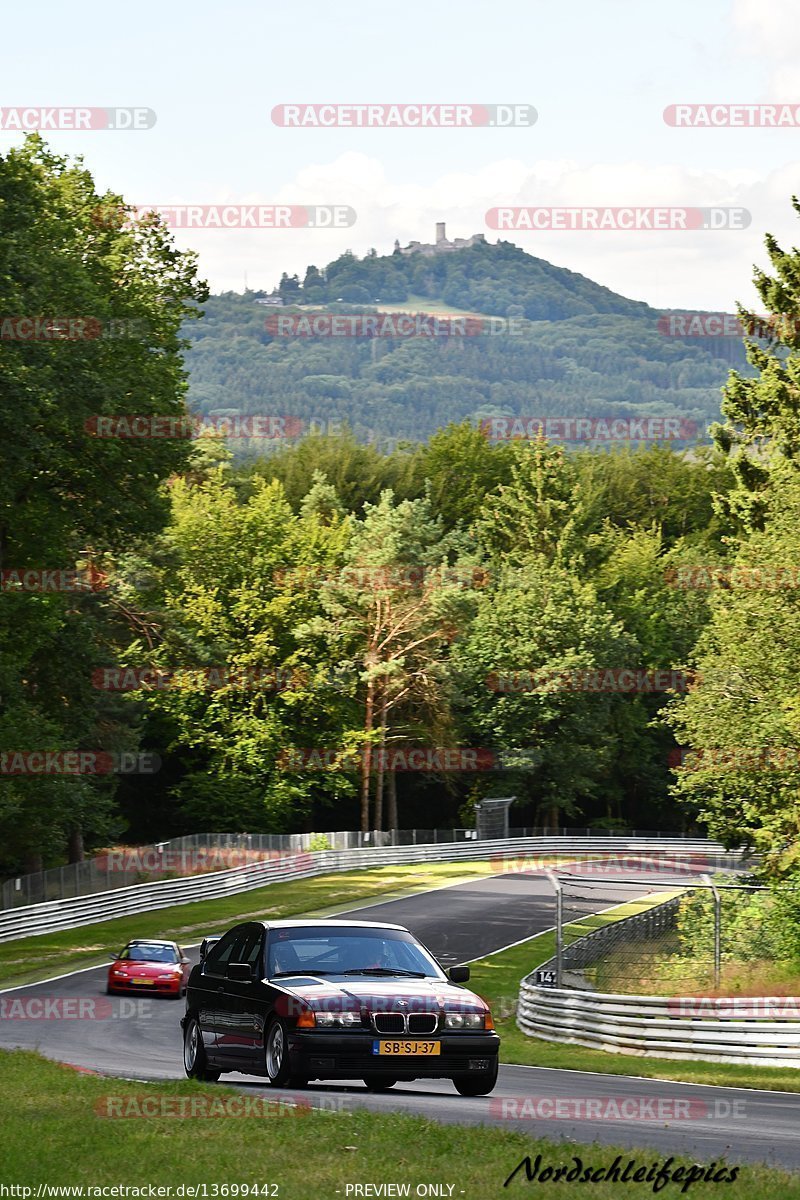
[{"x": 578, "y": 350}]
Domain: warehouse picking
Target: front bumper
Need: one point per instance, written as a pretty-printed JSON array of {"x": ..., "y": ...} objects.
[
  {"x": 326, "y": 1055},
  {"x": 160, "y": 987}
]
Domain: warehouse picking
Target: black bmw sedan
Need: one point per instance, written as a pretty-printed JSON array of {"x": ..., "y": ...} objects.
[{"x": 301, "y": 1000}]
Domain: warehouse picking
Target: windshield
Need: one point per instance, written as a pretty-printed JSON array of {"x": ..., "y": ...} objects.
[
  {"x": 147, "y": 953},
  {"x": 348, "y": 951}
]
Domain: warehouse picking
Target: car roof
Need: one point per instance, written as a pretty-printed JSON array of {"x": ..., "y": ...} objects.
[{"x": 329, "y": 923}]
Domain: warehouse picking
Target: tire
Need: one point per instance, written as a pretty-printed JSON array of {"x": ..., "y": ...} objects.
[
  {"x": 479, "y": 1084},
  {"x": 195, "y": 1063},
  {"x": 379, "y": 1083},
  {"x": 277, "y": 1067}
]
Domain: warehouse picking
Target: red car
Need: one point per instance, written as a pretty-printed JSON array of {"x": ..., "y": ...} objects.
[{"x": 148, "y": 965}]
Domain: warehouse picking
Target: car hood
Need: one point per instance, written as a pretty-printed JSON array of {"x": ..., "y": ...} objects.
[{"x": 380, "y": 994}]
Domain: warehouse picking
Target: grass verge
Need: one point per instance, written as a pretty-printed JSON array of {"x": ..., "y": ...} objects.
[{"x": 57, "y": 1132}]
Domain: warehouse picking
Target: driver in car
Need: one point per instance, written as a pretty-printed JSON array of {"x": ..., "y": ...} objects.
[{"x": 285, "y": 959}]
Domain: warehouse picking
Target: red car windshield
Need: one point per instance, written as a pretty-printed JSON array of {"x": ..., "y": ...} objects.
[{"x": 157, "y": 954}]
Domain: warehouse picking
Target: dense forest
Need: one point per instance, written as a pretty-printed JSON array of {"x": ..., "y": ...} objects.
[
  {"x": 568, "y": 347},
  {"x": 330, "y": 636}
]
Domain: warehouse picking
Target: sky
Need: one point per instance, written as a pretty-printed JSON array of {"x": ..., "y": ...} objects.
[{"x": 599, "y": 74}]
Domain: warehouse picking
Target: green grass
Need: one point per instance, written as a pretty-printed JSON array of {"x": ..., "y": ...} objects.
[
  {"x": 497, "y": 978},
  {"x": 55, "y": 1133},
  {"x": 422, "y": 304},
  {"x": 640, "y": 969},
  {"x": 25, "y": 960}
]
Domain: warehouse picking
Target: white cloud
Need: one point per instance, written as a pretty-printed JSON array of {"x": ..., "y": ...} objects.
[
  {"x": 702, "y": 269},
  {"x": 770, "y": 30}
]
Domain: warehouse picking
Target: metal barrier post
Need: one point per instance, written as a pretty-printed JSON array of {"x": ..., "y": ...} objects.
[
  {"x": 556, "y": 882},
  {"x": 717, "y": 930}
]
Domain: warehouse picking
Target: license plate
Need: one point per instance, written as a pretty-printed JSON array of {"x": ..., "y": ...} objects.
[
  {"x": 406, "y": 1047},
  {"x": 139, "y": 979}
]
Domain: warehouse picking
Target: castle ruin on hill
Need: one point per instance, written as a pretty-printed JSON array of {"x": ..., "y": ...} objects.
[{"x": 441, "y": 245}]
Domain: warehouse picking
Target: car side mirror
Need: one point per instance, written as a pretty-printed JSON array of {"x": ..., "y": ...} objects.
[
  {"x": 185, "y": 961},
  {"x": 240, "y": 972},
  {"x": 458, "y": 974}
]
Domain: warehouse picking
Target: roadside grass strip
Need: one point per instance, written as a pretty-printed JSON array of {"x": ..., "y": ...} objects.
[{"x": 62, "y": 1128}]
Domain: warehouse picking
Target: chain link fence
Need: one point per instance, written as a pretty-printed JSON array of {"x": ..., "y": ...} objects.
[
  {"x": 672, "y": 936},
  {"x": 124, "y": 866}
]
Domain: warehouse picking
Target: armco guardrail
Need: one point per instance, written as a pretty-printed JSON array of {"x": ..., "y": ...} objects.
[
  {"x": 195, "y": 853},
  {"x": 650, "y": 1025},
  {"x": 657, "y": 1026},
  {"x": 105, "y": 906}
]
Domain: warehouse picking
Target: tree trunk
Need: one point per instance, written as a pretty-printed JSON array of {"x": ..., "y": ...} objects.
[
  {"x": 553, "y": 818},
  {"x": 392, "y": 795},
  {"x": 75, "y": 846},
  {"x": 381, "y": 767},
  {"x": 366, "y": 761}
]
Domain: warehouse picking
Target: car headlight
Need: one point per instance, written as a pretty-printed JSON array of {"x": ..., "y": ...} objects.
[
  {"x": 327, "y": 1019},
  {"x": 121, "y": 974},
  {"x": 457, "y": 1020},
  {"x": 171, "y": 974}
]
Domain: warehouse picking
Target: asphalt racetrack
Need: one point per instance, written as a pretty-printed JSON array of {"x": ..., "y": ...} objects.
[{"x": 140, "y": 1038}]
